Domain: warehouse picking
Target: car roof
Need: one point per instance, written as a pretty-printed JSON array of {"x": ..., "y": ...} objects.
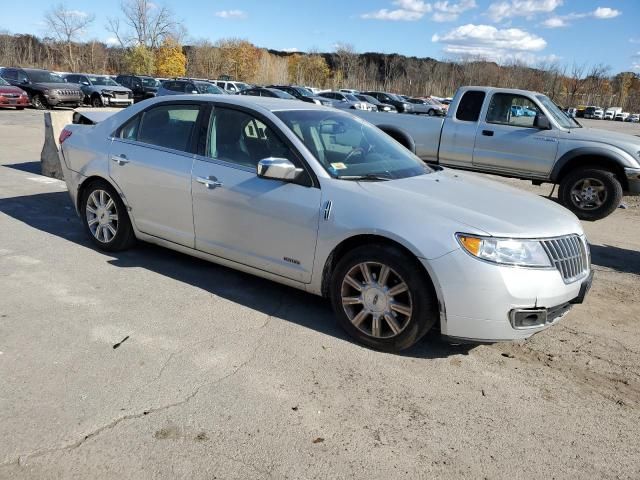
[{"x": 267, "y": 103}]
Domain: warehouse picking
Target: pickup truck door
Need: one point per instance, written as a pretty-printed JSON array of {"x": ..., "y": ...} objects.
[
  {"x": 264, "y": 223},
  {"x": 508, "y": 140}
]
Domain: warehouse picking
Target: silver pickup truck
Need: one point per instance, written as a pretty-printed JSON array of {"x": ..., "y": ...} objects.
[{"x": 523, "y": 134}]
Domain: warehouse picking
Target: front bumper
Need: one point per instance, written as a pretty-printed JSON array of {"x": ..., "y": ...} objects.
[
  {"x": 633, "y": 180},
  {"x": 64, "y": 100},
  {"x": 117, "y": 100},
  {"x": 477, "y": 298},
  {"x": 14, "y": 101}
]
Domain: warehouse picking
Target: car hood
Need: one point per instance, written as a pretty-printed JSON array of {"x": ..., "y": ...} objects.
[
  {"x": 10, "y": 89},
  {"x": 57, "y": 86},
  {"x": 472, "y": 201},
  {"x": 112, "y": 88},
  {"x": 629, "y": 143}
]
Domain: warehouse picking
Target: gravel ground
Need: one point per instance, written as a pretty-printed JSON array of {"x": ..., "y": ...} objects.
[{"x": 151, "y": 364}]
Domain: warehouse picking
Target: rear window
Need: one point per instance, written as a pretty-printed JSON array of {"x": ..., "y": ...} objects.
[
  {"x": 470, "y": 106},
  {"x": 168, "y": 126}
]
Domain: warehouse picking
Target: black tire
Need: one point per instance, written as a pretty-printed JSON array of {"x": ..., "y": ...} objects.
[
  {"x": 124, "y": 237},
  {"x": 608, "y": 199},
  {"x": 39, "y": 102},
  {"x": 96, "y": 101},
  {"x": 420, "y": 296},
  {"x": 431, "y": 113}
]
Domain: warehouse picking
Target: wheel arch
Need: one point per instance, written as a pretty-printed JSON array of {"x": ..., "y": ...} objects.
[
  {"x": 400, "y": 136},
  {"x": 590, "y": 157},
  {"x": 360, "y": 240},
  {"x": 82, "y": 187}
]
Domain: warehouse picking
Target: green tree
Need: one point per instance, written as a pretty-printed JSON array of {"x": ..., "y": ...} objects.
[{"x": 140, "y": 60}]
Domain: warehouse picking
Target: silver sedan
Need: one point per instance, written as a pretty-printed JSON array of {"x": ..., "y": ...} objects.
[{"x": 323, "y": 201}]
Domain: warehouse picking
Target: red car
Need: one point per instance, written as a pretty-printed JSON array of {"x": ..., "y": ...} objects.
[{"x": 11, "y": 96}]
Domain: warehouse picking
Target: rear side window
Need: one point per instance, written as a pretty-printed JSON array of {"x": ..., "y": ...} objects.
[
  {"x": 470, "y": 106},
  {"x": 169, "y": 126}
]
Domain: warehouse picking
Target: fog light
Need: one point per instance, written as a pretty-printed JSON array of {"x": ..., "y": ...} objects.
[{"x": 528, "y": 318}]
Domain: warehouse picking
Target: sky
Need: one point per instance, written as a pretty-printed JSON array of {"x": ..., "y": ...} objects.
[{"x": 531, "y": 31}]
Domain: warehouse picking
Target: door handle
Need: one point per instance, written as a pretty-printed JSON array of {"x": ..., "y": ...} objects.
[
  {"x": 120, "y": 159},
  {"x": 487, "y": 133},
  {"x": 209, "y": 182}
]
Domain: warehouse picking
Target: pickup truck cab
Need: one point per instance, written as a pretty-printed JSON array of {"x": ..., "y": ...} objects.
[{"x": 481, "y": 133}]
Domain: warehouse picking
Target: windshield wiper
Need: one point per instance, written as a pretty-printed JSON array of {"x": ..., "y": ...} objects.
[{"x": 368, "y": 177}]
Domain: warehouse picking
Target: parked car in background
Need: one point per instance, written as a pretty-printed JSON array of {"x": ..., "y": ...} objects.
[
  {"x": 594, "y": 168},
  {"x": 266, "y": 92},
  {"x": 423, "y": 107},
  {"x": 382, "y": 107},
  {"x": 347, "y": 101},
  {"x": 635, "y": 118},
  {"x": 100, "y": 90},
  {"x": 142, "y": 86},
  {"x": 316, "y": 199},
  {"x": 522, "y": 111},
  {"x": 11, "y": 96},
  {"x": 231, "y": 86},
  {"x": 45, "y": 89},
  {"x": 302, "y": 93},
  {"x": 590, "y": 110},
  {"x": 349, "y": 90},
  {"x": 611, "y": 112},
  {"x": 399, "y": 103},
  {"x": 621, "y": 117},
  {"x": 571, "y": 112},
  {"x": 182, "y": 86},
  {"x": 598, "y": 114},
  {"x": 437, "y": 103}
]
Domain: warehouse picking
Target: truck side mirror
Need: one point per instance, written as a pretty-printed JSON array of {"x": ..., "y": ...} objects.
[{"x": 542, "y": 122}]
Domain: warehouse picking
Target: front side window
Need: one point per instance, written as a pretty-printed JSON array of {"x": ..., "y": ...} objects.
[
  {"x": 514, "y": 110},
  {"x": 348, "y": 147},
  {"x": 169, "y": 126},
  {"x": 239, "y": 138},
  {"x": 38, "y": 76},
  {"x": 10, "y": 74}
]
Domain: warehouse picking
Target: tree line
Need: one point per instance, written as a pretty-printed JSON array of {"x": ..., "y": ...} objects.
[{"x": 148, "y": 40}]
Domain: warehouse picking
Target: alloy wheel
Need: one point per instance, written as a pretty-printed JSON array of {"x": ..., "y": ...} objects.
[
  {"x": 588, "y": 193},
  {"x": 376, "y": 299},
  {"x": 102, "y": 216}
]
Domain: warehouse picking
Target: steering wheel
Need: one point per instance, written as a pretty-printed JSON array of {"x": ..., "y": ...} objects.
[{"x": 356, "y": 151}]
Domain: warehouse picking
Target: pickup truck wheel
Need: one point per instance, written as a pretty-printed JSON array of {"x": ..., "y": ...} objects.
[
  {"x": 381, "y": 298},
  {"x": 590, "y": 193},
  {"x": 105, "y": 217},
  {"x": 39, "y": 102}
]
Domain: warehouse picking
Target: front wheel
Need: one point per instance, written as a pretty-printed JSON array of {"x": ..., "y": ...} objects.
[
  {"x": 39, "y": 102},
  {"x": 590, "y": 193},
  {"x": 105, "y": 217},
  {"x": 382, "y": 298},
  {"x": 96, "y": 101},
  {"x": 431, "y": 113}
]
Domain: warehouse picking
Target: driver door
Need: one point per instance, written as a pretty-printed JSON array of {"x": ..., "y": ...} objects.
[{"x": 267, "y": 224}]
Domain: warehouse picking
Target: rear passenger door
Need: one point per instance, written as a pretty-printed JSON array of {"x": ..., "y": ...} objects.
[
  {"x": 459, "y": 130},
  {"x": 151, "y": 160}
]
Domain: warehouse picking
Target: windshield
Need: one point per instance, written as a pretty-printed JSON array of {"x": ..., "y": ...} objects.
[
  {"x": 103, "y": 81},
  {"x": 303, "y": 91},
  {"x": 3, "y": 82},
  {"x": 350, "y": 97},
  {"x": 150, "y": 82},
  {"x": 350, "y": 148},
  {"x": 37, "y": 76},
  {"x": 369, "y": 99},
  {"x": 281, "y": 94},
  {"x": 558, "y": 115},
  {"x": 241, "y": 86},
  {"x": 395, "y": 97},
  {"x": 204, "y": 87}
]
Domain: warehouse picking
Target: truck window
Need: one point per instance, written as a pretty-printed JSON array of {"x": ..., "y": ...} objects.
[
  {"x": 510, "y": 109},
  {"x": 470, "y": 106}
]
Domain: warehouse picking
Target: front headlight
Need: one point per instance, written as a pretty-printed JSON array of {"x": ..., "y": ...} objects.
[
  {"x": 317, "y": 102},
  {"x": 505, "y": 251}
]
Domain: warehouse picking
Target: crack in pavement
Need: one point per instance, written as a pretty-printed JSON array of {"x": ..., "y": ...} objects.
[{"x": 71, "y": 446}]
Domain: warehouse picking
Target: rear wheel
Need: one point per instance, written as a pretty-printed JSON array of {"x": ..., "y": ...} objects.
[
  {"x": 39, "y": 102},
  {"x": 105, "y": 217},
  {"x": 590, "y": 193},
  {"x": 382, "y": 298}
]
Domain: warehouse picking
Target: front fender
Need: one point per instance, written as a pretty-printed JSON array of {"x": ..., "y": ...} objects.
[{"x": 612, "y": 154}]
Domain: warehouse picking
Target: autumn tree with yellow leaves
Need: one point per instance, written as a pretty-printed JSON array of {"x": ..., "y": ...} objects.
[{"x": 170, "y": 60}]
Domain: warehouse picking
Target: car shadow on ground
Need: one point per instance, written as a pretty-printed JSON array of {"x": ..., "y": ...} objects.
[
  {"x": 29, "y": 167},
  {"x": 616, "y": 258},
  {"x": 54, "y": 213}
]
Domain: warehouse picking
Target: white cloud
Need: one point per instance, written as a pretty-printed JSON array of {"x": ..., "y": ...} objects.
[
  {"x": 231, "y": 14},
  {"x": 76, "y": 13},
  {"x": 555, "y": 22},
  {"x": 111, "y": 41},
  {"x": 447, "y": 12},
  {"x": 409, "y": 10},
  {"x": 600, "y": 13},
  {"x": 605, "y": 12},
  {"x": 499, "y": 11},
  {"x": 290, "y": 50},
  {"x": 491, "y": 43}
]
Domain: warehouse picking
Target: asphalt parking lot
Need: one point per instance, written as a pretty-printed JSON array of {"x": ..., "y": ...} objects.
[{"x": 152, "y": 364}]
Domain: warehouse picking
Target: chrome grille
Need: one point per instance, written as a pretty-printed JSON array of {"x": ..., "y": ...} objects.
[
  {"x": 76, "y": 93},
  {"x": 570, "y": 255}
]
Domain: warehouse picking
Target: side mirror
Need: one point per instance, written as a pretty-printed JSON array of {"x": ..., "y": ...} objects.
[
  {"x": 194, "y": 91},
  {"x": 277, "y": 169},
  {"x": 86, "y": 84},
  {"x": 542, "y": 122},
  {"x": 25, "y": 81}
]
